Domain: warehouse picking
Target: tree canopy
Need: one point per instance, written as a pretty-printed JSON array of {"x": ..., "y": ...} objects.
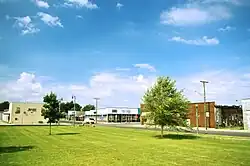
[
  {"x": 88, "y": 107},
  {"x": 166, "y": 105},
  {"x": 65, "y": 107},
  {"x": 50, "y": 109}
]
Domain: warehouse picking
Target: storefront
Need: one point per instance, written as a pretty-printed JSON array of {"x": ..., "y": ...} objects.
[{"x": 115, "y": 114}]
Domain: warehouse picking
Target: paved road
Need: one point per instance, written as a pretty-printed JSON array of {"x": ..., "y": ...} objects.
[{"x": 212, "y": 132}]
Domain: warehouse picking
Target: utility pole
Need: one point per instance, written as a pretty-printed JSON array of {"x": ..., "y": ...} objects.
[
  {"x": 96, "y": 104},
  {"x": 197, "y": 118},
  {"x": 74, "y": 102},
  {"x": 61, "y": 99},
  {"x": 205, "y": 106}
]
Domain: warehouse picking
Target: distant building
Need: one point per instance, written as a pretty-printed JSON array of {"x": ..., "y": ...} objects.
[
  {"x": 115, "y": 114},
  {"x": 24, "y": 113},
  {"x": 216, "y": 116},
  {"x": 246, "y": 113}
]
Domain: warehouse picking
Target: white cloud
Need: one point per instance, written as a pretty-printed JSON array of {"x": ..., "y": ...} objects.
[
  {"x": 80, "y": 3},
  {"x": 227, "y": 28},
  {"x": 194, "y": 14},
  {"x": 79, "y": 17},
  {"x": 119, "y": 5},
  {"x": 50, "y": 20},
  {"x": 145, "y": 66},
  {"x": 224, "y": 87},
  {"x": 24, "y": 24},
  {"x": 112, "y": 88},
  {"x": 41, "y": 4},
  {"x": 200, "y": 42}
]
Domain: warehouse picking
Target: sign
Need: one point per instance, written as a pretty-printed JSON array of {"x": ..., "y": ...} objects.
[{"x": 207, "y": 114}]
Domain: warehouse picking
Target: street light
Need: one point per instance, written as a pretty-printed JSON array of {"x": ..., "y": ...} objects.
[
  {"x": 96, "y": 102},
  {"x": 60, "y": 100}
]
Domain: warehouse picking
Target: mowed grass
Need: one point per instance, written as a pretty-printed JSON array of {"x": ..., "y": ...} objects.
[{"x": 107, "y": 146}]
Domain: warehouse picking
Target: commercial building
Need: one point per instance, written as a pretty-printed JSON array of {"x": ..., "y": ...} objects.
[
  {"x": 229, "y": 116},
  {"x": 24, "y": 113},
  {"x": 115, "y": 114},
  {"x": 216, "y": 115}
]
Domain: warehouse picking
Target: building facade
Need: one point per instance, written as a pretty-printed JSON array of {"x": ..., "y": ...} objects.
[
  {"x": 246, "y": 113},
  {"x": 115, "y": 114},
  {"x": 24, "y": 113},
  {"x": 202, "y": 116},
  {"x": 229, "y": 116}
]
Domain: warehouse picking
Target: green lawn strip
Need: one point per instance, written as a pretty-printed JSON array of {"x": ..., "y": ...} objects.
[{"x": 114, "y": 146}]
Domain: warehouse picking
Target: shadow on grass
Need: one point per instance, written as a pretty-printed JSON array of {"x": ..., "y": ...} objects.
[
  {"x": 13, "y": 149},
  {"x": 67, "y": 133},
  {"x": 177, "y": 136}
]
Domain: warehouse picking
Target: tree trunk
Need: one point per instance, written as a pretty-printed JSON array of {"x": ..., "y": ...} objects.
[
  {"x": 161, "y": 131},
  {"x": 49, "y": 128}
]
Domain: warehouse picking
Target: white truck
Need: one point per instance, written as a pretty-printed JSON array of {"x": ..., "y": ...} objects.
[{"x": 89, "y": 121}]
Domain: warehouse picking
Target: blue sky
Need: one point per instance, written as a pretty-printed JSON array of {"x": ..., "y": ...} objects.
[{"x": 115, "y": 49}]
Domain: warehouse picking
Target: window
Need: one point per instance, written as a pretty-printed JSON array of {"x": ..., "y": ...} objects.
[
  {"x": 114, "y": 111},
  {"x": 18, "y": 110},
  {"x": 16, "y": 118}
]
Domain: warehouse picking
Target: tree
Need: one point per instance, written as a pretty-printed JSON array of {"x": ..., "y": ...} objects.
[
  {"x": 4, "y": 105},
  {"x": 166, "y": 105},
  {"x": 50, "y": 109},
  {"x": 88, "y": 107},
  {"x": 65, "y": 107}
]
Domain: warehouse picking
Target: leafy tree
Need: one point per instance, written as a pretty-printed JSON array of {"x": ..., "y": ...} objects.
[
  {"x": 88, "y": 107},
  {"x": 4, "y": 105},
  {"x": 65, "y": 107},
  {"x": 166, "y": 105},
  {"x": 50, "y": 109}
]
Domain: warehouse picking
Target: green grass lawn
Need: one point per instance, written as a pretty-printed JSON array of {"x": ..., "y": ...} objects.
[{"x": 106, "y": 146}]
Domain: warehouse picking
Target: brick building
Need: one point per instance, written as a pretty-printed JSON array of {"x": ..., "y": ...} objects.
[{"x": 210, "y": 116}]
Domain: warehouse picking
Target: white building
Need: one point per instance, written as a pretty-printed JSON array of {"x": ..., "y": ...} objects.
[
  {"x": 246, "y": 113},
  {"x": 115, "y": 114},
  {"x": 24, "y": 113}
]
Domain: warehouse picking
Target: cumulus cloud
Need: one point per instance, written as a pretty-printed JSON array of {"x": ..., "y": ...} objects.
[
  {"x": 24, "y": 24},
  {"x": 145, "y": 66},
  {"x": 224, "y": 87},
  {"x": 80, "y": 3},
  {"x": 119, "y": 5},
  {"x": 193, "y": 14},
  {"x": 226, "y": 29},
  {"x": 112, "y": 88},
  {"x": 41, "y": 4},
  {"x": 199, "y": 42},
  {"x": 50, "y": 20}
]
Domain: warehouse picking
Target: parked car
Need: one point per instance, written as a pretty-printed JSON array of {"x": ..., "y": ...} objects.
[{"x": 88, "y": 121}]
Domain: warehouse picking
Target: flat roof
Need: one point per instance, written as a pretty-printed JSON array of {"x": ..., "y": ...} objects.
[{"x": 228, "y": 106}]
